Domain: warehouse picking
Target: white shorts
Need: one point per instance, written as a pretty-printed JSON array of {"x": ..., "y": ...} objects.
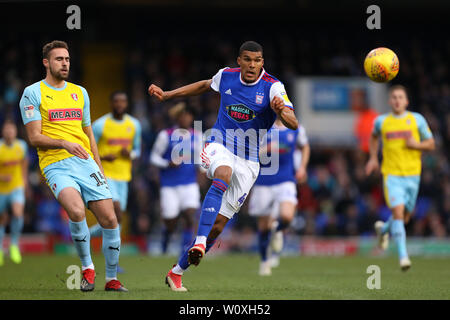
[
  {"x": 243, "y": 177},
  {"x": 179, "y": 198},
  {"x": 265, "y": 200}
]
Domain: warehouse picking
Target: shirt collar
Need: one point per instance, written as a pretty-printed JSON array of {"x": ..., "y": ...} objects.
[{"x": 253, "y": 83}]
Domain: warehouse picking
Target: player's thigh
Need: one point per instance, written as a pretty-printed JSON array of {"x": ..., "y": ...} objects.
[
  {"x": 70, "y": 199},
  {"x": 261, "y": 201},
  {"x": 214, "y": 156},
  {"x": 189, "y": 196},
  {"x": 412, "y": 191},
  {"x": 394, "y": 191},
  {"x": 244, "y": 176},
  {"x": 119, "y": 192},
  {"x": 286, "y": 197},
  {"x": 18, "y": 202},
  {"x": 169, "y": 202}
]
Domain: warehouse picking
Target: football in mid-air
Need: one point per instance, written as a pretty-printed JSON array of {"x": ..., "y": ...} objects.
[{"x": 381, "y": 65}]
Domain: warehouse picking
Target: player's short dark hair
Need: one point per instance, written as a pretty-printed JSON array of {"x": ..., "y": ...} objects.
[
  {"x": 396, "y": 87},
  {"x": 250, "y": 46},
  {"x": 53, "y": 45},
  {"x": 115, "y": 93}
]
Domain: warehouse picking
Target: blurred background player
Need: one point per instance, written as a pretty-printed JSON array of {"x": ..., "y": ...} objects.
[
  {"x": 250, "y": 100},
  {"x": 56, "y": 115},
  {"x": 13, "y": 178},
  {"x": 404, "y": 135},
  {"x": 274, "y": 197},
  {"x": 180, "y": 192},
  {"x": 118, "y": 137}
]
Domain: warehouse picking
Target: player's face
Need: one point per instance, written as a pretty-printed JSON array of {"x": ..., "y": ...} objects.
[
  {"x": 185, "y": 120},
  {"x": 9, "y": 131},
  {"x": 251, "y": 64},
  {"x": 119, "y": 103},
  {"x": 398, "y": 101},
  {"x": 58, "y": 63}
]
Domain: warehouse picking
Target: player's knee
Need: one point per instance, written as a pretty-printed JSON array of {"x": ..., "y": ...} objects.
[
  {"x": 109, "y": 221},
  {"x": 223, "y": 173},
  {"x": 76, "y": 212}
]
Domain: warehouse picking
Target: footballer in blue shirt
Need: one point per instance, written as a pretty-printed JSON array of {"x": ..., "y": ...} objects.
[{"x": 250, "y": 101}]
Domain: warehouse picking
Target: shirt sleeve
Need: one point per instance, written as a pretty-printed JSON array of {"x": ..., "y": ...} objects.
[
  {"x": 97, "y": 128},
  {"x": 277, "y": 90},
  {"x": 30, "y": 103},
  {"x": 136, "y": 151},
  {"x": 302, "y": 138},
  {"x": 215, "y": 84},
  {"x": 159, "y": 147},
  {"x": 422, "y": 125},
  {"x": 86, "y": 109},
  {"x": 377, "y": 126}
]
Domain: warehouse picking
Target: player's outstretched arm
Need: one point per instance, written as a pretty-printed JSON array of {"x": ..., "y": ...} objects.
[
  {"x": 192, "y": 89},
  {"x": 38, "y": 140},
  {"x": 287, "y": 115},
  {"x": 373, "y": 164}
]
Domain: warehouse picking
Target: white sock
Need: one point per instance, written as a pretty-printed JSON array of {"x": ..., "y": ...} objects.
[
  {"x": 109, "y": 279},
  {"x": 91, "y": 266},
  {"x": 200, "y": 240},
  {"x": 178, "y": 270}
]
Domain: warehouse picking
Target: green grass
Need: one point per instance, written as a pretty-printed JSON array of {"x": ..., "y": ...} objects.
[{"x": 234, "y": 277}]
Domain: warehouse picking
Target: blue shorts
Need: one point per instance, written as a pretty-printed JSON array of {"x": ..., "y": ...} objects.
[
  {"x": 15, "y": 196},
  {"x": 401, "y": 190},
  {"x": 119, "y": 191},
  {"x": 83, "y": 175}
]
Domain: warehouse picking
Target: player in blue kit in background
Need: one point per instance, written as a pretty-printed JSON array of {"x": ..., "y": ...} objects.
[
  {"x": 251, "y": 99},
  {"x": 180, "y": 192},
  {"x": 274, "y": 197}
]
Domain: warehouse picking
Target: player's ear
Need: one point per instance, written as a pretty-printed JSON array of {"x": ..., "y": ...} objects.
[
  {"x": 239, "y": 60},
  {"x": 45, "y": 62}
]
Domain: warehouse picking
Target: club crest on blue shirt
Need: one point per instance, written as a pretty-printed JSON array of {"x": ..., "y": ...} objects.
[
  {"x": 259, "y": 97},
  {"x": 240, "y": 112}
]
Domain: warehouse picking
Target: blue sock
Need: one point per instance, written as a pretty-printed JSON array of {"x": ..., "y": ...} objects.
[
  {"x": 111, "y": 250},
  {"x": 399, "y": 235},
  {"x": 81, "y": 240},
  {"x": 2, "y": 235},
  {"x": 264, "y": 240},
  {"x": 165, "y": 239},
  {"x": 387, "y": 226},
  {"x": 183, "y": 261},
  {"x": 95, "y": 231},
  {"x": 16, "y": 229},
  {"x": 282, "y": 224},
  {"x": 186, "y": 238},
  {"x": 211, "y": 206}
]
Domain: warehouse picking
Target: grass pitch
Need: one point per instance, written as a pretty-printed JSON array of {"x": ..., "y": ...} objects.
[{"x": 231, "y": 277}]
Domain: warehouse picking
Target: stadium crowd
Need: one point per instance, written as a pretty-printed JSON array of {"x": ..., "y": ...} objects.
[{"x": 338, "y": 198}]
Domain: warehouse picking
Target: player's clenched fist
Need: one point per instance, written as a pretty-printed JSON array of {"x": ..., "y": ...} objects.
[
  {"x": 277, "y": 104},
  {"x": 156, "y": 91}
]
